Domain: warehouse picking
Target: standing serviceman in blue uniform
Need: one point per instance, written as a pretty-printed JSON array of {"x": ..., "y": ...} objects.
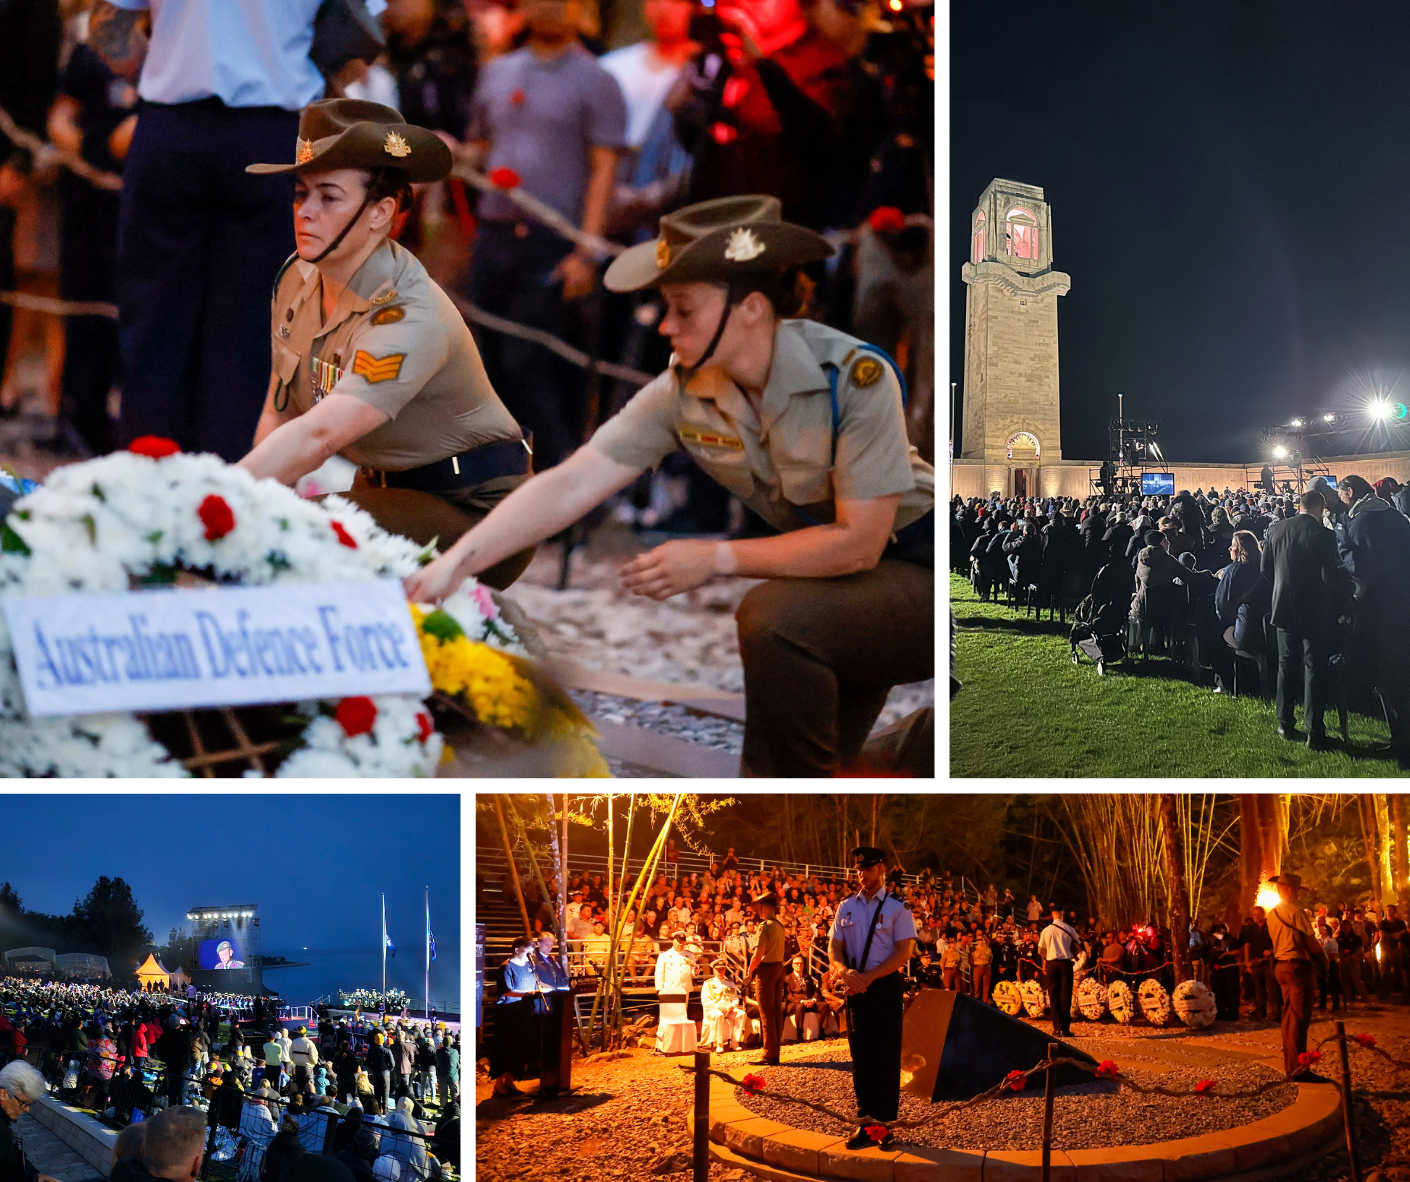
[{"x": 871, "y": 941}]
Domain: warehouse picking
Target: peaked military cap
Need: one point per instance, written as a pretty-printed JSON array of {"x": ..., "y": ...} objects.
[
  {"x": 867, "y": 855},
  {"x": 350, "y": 133},
  {"x": 713, "y": 241}
]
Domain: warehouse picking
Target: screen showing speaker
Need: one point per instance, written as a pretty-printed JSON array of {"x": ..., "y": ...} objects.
[{"x": 227, "y": 953}]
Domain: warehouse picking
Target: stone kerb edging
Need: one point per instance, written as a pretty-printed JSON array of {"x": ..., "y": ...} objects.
[
  {"x": 1307, "y": 1128},
  {"x": 89, "y": 1138}
]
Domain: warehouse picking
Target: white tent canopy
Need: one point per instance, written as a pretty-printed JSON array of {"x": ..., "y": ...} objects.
[{"x": 30, "y": 958}]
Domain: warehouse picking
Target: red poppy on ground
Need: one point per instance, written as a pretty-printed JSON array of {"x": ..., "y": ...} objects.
[
  {"x": 1017, "y": 1080},
  {"x": 1308, "y": 1057},
  {"x": 505, "y": 178},
  {"x": 886, "y": 217},
  {"x": 753, "y": 1083},
  {"x": 1204, "y": 1087},
  {"x": 1107, "y": 1068},
  {"x": 723, "y": 133},
  {"x": 356, "y": 715},
  {"x": 155, "y": 446},
  {"x": 877, "y": 1132},
  {"x": 343, "y": 535},
  {"x": 425, "y": 726},
  {"x": 1366, "y": 1040},
  {"x": 217, "y": 516}
]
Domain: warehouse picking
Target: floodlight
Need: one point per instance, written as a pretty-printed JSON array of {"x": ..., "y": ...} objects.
[
  {"x": 1280, "y": 452},
  {"x": 1295, "y": 423},
  {"x": 1381, "y": 410},
  {"x": 1329, "y": 418}
]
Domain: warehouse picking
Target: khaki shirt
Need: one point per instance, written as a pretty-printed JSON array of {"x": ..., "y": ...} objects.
[
  {"x": 396, "y": 342},
  {"x": 771, "y": 941},
  {"x": 782, "y": 462},
  {"x": 1284, "y": 922}
]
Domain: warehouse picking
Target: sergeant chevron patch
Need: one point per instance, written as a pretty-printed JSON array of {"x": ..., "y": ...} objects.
[{"x": 378, "y": 369}]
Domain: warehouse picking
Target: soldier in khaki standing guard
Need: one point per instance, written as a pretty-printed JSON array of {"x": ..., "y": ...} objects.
[
  {"x": 767, "y": 968},
  {"x": 371, "y": 359},
  {"x": 805, "y": 425}
]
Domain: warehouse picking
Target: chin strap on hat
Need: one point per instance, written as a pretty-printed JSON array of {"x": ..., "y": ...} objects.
[
  {"x": 732, "y": 301},
  {"x": 343, "y": 233}
]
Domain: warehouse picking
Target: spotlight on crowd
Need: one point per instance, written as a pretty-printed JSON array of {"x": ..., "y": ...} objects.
[
  {"x": 1280, "y": 452},
  {"x": 1295, "y": 423}
]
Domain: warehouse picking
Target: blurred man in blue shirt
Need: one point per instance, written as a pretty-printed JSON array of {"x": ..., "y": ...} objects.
[{"x": 221, "y": 83}]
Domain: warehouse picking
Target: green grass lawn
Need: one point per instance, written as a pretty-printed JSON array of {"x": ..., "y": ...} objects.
[{"x": 1026, "y": 710}]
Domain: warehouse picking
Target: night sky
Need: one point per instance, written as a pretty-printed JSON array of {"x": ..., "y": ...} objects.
[
  {"x": 316, "y": 865},
  {"x": 1230, "y": 192}
]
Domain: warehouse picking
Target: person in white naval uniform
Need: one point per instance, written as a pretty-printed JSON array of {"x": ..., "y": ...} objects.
[{"x": 725, "y": 1020}]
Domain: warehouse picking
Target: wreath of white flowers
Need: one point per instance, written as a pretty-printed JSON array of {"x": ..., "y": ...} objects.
[
  {"x": 1035, "y": 998},
  {"x": 1091, "y": 999},
  {"x": 1120, "y": 1002},
  {"x": 1194, "y": 1004},
  {"x": 1155, "y": 1002},
  {"x": 139, "y": 519}
]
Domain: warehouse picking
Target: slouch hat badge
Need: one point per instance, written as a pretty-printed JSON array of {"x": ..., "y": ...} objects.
[
  {"x": 396, "y": 146},
  {"x": 743, "y": 246},
  {"x": 305, "y": 151},
  {"x": 663, "y": 253}
]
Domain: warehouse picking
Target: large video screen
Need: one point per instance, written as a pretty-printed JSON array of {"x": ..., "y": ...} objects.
[
  {"x": 1157, "y": 484},
  {"x": 228, "y": 953}
]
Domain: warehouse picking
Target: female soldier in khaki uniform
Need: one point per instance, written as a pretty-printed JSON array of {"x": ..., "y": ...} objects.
[
  {"x": 805, "y": 425},
  {"x": 371, "y": 359}
]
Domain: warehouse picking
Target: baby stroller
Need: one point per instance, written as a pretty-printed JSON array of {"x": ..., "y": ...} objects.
[{"x": 1099, "y": 624}]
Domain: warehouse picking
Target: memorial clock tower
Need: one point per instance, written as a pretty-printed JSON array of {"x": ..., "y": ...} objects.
[{"x": 1011, "y": 420}]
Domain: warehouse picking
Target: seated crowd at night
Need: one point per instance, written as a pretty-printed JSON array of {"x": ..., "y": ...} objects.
[
  {"x": 273, "y": 1084},
  {"x": 695, "y": 935},
  {"x": 1312, "y": 589}
]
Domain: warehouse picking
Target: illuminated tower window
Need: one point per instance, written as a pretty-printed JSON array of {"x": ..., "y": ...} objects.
[
  {"x": 1021, "y": 234},
  {"x": 977, "y": 256}
]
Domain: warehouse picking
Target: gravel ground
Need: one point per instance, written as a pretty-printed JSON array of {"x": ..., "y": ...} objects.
[
  {"x": 629, "y": 1112},
  {"x": 1085, "y": 1116}
]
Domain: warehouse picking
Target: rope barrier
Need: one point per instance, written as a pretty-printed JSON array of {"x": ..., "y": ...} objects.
[
  {"x": 34, "y": 303},
  {"x": 44, "y": 152}
]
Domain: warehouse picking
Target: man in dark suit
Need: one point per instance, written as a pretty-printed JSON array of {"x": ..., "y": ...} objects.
[{"x": 1300, "y": 558}]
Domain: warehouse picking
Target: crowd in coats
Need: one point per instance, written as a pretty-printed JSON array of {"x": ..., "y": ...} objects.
[{"x": 1316, "y": 582}]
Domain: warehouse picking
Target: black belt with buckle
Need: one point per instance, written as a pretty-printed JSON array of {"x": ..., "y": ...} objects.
[{"x": 489, "y": 461}]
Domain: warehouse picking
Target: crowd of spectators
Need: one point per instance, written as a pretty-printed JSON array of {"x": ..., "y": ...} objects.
[
  {"x": 696, "y": 929},
  {"x": 1315, "y": 584},
  {"x": 826, "y": 104},
  {"x": 391, "y": 1087}
]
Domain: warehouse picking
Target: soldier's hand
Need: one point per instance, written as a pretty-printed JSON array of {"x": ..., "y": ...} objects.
[
  {"x": 578, "y": 276},
  {"x": 670, "y": 569}
]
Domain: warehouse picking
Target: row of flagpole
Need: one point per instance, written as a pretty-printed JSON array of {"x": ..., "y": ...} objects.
[{"x": 430, "y": 951}]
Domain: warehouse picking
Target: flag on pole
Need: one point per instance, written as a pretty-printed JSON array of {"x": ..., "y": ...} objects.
[
  {"x": 431, "y": 936},
  {"x": 391, "y": 948}
]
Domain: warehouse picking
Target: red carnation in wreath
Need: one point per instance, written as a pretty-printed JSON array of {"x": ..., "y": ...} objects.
[
  {"x": 877, "y": 1133},
  {"x": 1204, "y": 1087},
  {"x": 356, "y": 715},
  {"x": 1366, "y": 1040},
  {"x": 753, "y": 1083},
  {"x": 886, "y": 218},
  {"x": 1106, "y": 1069},
  {"x": 154, "y": 446},
  {"x": 424, "y": 726},
  {"x": 343, "y": 535},
  {"x": 505, "y": 178},
  {"x": 217, "y": 516}
]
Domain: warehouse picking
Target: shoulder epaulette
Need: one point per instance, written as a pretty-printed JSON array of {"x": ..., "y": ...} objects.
[{"x": 279, "y": 278}]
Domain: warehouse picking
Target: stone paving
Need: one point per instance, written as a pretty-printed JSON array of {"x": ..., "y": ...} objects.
[{"x": 49, "y": 1155}]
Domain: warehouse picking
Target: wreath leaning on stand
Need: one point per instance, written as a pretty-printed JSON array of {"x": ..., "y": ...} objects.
[{"x": 1120, "y": 1002}]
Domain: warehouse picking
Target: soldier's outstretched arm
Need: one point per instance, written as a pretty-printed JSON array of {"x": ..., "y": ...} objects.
[{"x": 537, "y": 509}]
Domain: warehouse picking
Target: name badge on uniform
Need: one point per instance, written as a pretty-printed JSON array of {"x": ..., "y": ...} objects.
[
  {"x": 323, "y": 377},
  {"x": 690, "y": 434}
]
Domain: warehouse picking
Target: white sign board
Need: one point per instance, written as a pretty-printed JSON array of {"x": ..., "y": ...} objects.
[{"x": 224, "y": 646}]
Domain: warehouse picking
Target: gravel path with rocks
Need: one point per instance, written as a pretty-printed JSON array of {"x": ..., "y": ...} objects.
[{"x": 1085, "y": 1116}]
